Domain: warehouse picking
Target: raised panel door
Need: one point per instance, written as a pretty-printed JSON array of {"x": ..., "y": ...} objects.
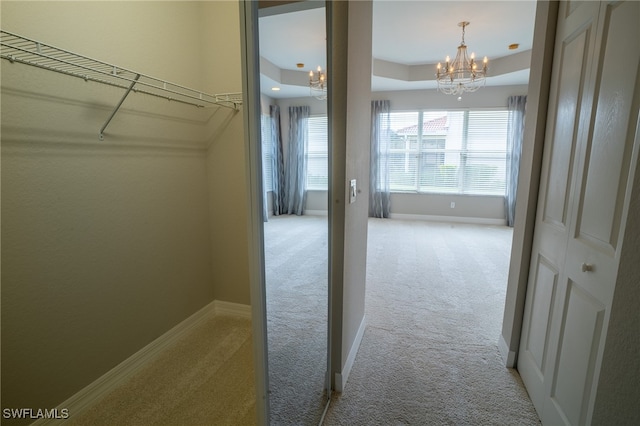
[
  {"x": 583, "y": 205},
  {"x": 607, "y": 153},
  {"x": 575, "y": 38}
]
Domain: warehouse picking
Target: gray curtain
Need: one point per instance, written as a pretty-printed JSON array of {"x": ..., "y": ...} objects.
[
  {"x": 265, "y": 139},
  {"x": 277, "y": 162},
  {"x": 515, "y": 133},
  {"x": 379, "y": 192},
  {"x": 296, "y": 173},
  {"x": 265, "y": 203}
]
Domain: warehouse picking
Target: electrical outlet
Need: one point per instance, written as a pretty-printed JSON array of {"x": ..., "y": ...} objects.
[{"x": 453, "y": 204}]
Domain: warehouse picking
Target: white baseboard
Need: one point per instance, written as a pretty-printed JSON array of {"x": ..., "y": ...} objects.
[
  {"x": 508, "y": 357},
  {"x": 91, "y": 394},
  {"x": 456, "y": 219},
  {"x": 234, "y": 309},
  {"x": 316, "y": 212},
  {"x": 341, "y": 378}
]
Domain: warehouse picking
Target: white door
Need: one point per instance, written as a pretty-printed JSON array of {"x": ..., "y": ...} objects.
[{"x": 582, "y": 206}]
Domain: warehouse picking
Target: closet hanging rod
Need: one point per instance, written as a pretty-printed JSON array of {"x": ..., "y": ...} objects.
[{"x": 16, "y": 48}]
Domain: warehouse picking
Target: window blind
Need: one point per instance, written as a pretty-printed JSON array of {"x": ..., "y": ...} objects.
[
  {"x": 317, "y": 154},
  {"x": 267, "y": 145},
  {"x": 448, "y": 151},
  {"x": 485, "y": 167}
]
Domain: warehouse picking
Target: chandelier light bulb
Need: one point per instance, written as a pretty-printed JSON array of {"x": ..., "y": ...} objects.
[{"x": 318, "y": 84}]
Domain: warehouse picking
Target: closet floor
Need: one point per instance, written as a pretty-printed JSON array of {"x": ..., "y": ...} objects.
[{"x": 207, "y": 378}]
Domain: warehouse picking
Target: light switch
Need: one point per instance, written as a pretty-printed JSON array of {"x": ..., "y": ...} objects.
[{"x": 352, "y": 191}]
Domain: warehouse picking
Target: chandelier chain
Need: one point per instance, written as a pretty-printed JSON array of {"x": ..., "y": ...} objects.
[{"x": 464, "y": 24}]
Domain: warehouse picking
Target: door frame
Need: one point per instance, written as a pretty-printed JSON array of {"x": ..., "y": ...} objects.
[
  {"x": 250, "y": 52},
  {"x": 251, "y": 121},
  {"x": 529, "y": 178}
]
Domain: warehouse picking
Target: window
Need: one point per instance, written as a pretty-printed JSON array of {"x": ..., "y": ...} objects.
[
  {"x": 267, "y": 141},
  {"x": 448, "y": 152},
  {"x": 317, "y": 154}
]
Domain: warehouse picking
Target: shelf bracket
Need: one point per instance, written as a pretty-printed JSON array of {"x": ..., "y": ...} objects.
[{"x": 104, "y": 126}]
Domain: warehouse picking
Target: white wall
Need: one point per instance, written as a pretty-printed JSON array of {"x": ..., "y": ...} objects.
[
  {"x": 486, "y": 97},
  {"x": 466, "y": 208},
  {"x": 224, "y": 138},
  {"x": 107, "y": 244},
  {"x": 350, "y": 114}
]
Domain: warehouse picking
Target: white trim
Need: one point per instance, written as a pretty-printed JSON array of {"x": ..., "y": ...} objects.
[
  {"x": 95, "y": 391},
  {"x": 316, "y": 212},
  {"x": 456, "y": 219},
  {"x": 508, "y": 357},
  {"x": 234, "y": 309},
  {"x": 341, "y": 378}
]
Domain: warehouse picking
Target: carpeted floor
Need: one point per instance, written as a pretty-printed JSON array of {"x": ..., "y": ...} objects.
[
  {"x": 429, "y": 355},
  {"x": 296, "y": 267},
  {"x": 206, "y": 378}
]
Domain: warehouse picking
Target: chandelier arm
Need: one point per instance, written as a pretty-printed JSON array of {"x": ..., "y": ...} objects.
[{"x": 318, "y": 84}]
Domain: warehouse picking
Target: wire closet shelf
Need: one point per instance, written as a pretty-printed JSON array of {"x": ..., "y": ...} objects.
[{"x": 16, "y": 48}]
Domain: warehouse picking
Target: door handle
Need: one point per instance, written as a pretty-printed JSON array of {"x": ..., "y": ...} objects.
[{"x": 587, "y": 267}]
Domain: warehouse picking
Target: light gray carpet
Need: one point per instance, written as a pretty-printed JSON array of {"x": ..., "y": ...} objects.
[
  {"x": 296, "y": 263},
  {"x": 429, "y": 356},
  {"x": 206, "y": 378}
]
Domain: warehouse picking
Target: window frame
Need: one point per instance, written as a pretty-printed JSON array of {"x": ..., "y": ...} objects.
[{"x": 463, "y": 186}]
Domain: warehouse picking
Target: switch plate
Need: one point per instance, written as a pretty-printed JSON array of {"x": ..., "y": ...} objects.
[
  {"x": 352, "y": 191},
  {"x": 453, "y": 204}
]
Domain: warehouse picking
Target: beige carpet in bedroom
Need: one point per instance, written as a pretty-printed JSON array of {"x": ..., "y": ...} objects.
[
  {"x": 434, "y": 306},
  {"x": 206, "y": 378}
]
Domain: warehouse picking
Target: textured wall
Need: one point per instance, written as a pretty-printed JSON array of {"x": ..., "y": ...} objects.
[
  {"x": 107, "y": 245},
  {"x": 220, "y": 50},
  {"x": 618, "y": 392}
]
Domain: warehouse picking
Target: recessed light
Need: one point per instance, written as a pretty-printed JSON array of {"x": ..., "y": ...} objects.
[
  {"x": 513, "y": 46},
  {"x": 275, "y": 89},
  {"x": 300, "y": 65}
]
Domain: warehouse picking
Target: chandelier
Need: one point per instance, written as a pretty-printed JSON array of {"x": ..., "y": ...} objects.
[
  {"x": 318, "y": 84},
  {"x": 461, "y": 75}
]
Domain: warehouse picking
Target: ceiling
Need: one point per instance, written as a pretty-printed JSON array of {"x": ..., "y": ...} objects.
[{"x": 409, "y": 39}]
